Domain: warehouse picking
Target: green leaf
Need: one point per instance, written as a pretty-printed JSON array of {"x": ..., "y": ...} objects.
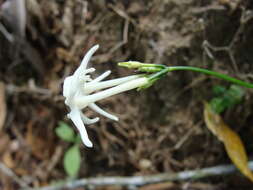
[
  {"x": 236, "y": 93},
  {"x": 72, "y": 161},
  {"x": 65, "y": 132},
  {"x": 233, "y": 95},
  {"x": 218, "y": 90},
  {"x": 226, "y": 98},
  {"x": 78, "y": 139},
  {"x": 218, "y": 105}
]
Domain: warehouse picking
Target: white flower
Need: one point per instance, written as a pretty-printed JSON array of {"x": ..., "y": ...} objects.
[{"x": 81, "y": 91}]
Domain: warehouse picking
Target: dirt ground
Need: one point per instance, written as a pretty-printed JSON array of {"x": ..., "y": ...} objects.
[{"x": 161, "y": 129}]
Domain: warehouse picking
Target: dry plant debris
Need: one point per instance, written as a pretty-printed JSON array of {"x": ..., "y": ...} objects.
[
  {"x": 233, "y": 143},
  {"x": 169, "y": 32},
  {"x": 3, "y": 107}
]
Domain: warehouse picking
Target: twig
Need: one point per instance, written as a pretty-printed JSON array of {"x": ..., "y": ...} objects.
[
  {"x": 122, "y": 14},
  {"x": 6, "y": 34},
  {"x": 184, "y": 138},
  {"x": 245, "y": 18},
  {"x": 144, "y": 180},
  {"x": 8, "y": 172},
  {"x": 213, "y": 7},
  {"x": 125, "y": 38},
  {"x": 119, "y": 44},
  {"x": 32, "y": 89}
]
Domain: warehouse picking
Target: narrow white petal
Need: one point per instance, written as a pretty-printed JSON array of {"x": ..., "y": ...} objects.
[
  {"x": 101, "y": 77},
  {"x": 75, "y": 116},
  {"x": 86, "y": 59},
  {"x": 67, "y": 87},
  {"x": 83, "y": 76},
  {"x": 92, "y": 87},
  {"x": 89, "y": 70},
  {"x": 89, "y": 121},
  {"x": 97, "y": 109},
  {"x": 86, "y": 100}
]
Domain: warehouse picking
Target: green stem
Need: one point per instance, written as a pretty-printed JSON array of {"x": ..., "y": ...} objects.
[
  {"x": 212, "y": 73},
  {"x": 161, "y": 70}
]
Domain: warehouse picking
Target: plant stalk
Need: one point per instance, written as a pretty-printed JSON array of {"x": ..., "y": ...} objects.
[{"x": 212, "y": 73}]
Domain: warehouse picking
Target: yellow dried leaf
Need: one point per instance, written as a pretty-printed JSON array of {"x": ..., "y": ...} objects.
[{"x": 233, "y": 144}]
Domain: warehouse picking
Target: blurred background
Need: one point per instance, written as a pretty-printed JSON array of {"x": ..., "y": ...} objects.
[{"x": 161, "y": 129}]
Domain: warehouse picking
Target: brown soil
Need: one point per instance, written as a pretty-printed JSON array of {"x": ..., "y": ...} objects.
[{"x": 161, "y": 129}]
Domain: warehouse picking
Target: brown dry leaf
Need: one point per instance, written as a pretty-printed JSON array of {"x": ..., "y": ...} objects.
[
  {"x": 64, "y": 54},
  {"x": 36, "y": 143},
  {"x": 8, "y": 160},
  {"x": 21, "y": 171},
  {"x": 233, "y": 144},
  {"x": 2, "y": 105},
  {"x": 4, "y": 142}
]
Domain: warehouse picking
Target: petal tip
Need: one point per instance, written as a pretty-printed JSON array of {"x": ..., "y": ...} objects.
[
  {"x": 96, "y": 46},
  {"x": 115, "y": 118},
  {"x": 89, "y": 144},
  {"x": 96, "y": 119}
]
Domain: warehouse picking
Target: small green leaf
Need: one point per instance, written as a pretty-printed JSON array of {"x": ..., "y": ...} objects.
[
  {"x": 218, "y": 105},
  {"x": 72, "y": 161},
  {"x": 236, "y": 93},
  {"x": 65, "y": 132},
  {"x": 233, "y": 96},
  {"x": 226, "y": 98},
  {"x": 78, "y": 139},
  {"x": 218, "y": 90}
]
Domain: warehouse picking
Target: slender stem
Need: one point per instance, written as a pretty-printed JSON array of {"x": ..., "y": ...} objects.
[
  {"x": 161, "y": 70},
  {"x": 208, "y": 72}
]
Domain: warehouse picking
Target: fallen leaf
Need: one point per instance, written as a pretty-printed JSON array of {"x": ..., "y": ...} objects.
[
  {"x": 5, "y": 141},
  {"x": 2, "y": 105},
  {"x": 8, "y": 160},
  {"x": 21, "y": 171},
  {"x": 233, "y": 143},
  {"x": 37, "y": 143}
]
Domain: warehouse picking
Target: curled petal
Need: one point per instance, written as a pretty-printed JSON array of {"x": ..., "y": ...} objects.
[
  {"x": 102, "y": 112},
  {"x": 89, "y": 121},
  {"x": 86, "y": 60},
  {"x": 101, "y": 77},
  {"x": 75, "y": 116}
]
